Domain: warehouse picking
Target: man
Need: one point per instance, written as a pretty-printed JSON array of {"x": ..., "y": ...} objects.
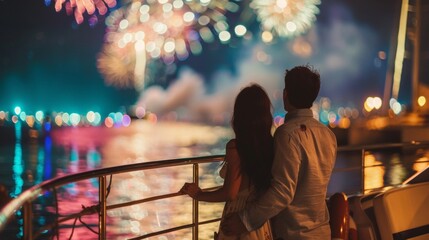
[{"x": 304, "y": 156}]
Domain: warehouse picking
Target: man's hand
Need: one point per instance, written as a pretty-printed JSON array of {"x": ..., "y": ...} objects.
[{"x": 232, "y": 225}]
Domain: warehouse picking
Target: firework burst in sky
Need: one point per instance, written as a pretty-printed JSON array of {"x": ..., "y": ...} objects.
[
  {"x": 158, "y": 29},
  {"x": 79, "y": 7},
  {"x": 285, "y": 18}
]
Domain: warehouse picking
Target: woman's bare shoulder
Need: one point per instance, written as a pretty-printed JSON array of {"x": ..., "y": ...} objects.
[
  {"x": 231, "y": 144},
  {"x": 231, "y": 152}
]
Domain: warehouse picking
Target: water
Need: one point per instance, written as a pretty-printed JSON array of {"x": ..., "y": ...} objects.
[{"x": 28, "y": 161}]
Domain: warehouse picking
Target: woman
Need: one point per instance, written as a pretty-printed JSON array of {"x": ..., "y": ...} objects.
[{"x": 248, "y": 159}]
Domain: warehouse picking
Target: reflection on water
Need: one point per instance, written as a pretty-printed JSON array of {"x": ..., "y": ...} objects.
[
  {"x": 420, "y": 164},
  {"x": 397, "y": 172},
  {"x": 18, "y": 167},
  {"x": 73, "y": 150},
  {"x": 373, "y": 173},
  {"x": 140, "y": 143}
]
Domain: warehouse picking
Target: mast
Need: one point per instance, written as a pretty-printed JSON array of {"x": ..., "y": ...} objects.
[
  {"x": 395, "y": 65},
  {"x": 416, "y": 56}
]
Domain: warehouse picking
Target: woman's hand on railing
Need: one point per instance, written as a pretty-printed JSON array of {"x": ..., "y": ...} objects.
[{"x": 191, "y": 189}]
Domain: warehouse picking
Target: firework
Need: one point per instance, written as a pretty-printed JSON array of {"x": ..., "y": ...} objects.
[
  {"x": 79, "y": 7},
  {"x": 286, "y": 18},
  {"x": 116, "y": 67},
  {"x": 169, "y": 30}
]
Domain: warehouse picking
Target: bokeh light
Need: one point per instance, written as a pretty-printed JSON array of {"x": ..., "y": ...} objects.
[
  {"x": 126, "y": 120},
  {"x": 66, "y": 118},
  {"x": 140, "y": 112},
  {"x": 30, "y": 121},
  {"x": 421, "y": 101},
  {"x": 39, "y": 116},
  {"x": 58, "y": 120},
  {"x": 97, "y": 119},
  {"x": 395, "y": 106},
  {"x": 17, "y": 110},
  {"x": 240, "y": 30},
  {"x": 74, "y": 119},
  {"x": 90, "y": 116},
  {"x": 372, "y": 103},
  {"x": 15, "y": 119},
  {"x": 108, "y": 122},
  {"x": 22, "y": 116},
  {"x": 344, "y": 123},
  {"x": 267, "y": 37},
  {"x": 2, "y": 115}
]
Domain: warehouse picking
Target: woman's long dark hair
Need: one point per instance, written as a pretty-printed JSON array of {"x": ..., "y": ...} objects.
[{"x": 252, "y": 121}]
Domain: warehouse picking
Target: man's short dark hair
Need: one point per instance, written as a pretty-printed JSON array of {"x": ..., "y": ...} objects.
[{"x": 302, "y": 84}]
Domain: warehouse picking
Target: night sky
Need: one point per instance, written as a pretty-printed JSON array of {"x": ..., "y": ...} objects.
[{"x": 48, "y": 62}]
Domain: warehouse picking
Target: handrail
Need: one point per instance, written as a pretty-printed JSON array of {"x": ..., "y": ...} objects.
[
  {"x": 384, "y": 146},
  {"x": 24, "y": 200}
]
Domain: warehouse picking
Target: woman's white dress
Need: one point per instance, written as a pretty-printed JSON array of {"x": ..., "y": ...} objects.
[{"x": 244, "y": 196}]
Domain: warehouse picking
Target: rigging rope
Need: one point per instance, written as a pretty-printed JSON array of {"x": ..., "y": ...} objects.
[{"x": 88, "y": 211}]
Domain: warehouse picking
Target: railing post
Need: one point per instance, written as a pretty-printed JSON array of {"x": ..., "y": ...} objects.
[
  {"x": 102, "y": 211},
  {"x": 195, "y": 204},
  {"x": 363, "y": 171},
  {"x": 28, "y": 220}
]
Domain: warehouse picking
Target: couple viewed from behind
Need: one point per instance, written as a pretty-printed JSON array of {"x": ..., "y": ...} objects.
[{"x": 275, "y": 187}]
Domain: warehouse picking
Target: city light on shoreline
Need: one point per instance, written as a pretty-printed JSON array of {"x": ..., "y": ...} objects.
[
  {"x": 65, "y": 119},
  {"x": 323, "y": 111}
]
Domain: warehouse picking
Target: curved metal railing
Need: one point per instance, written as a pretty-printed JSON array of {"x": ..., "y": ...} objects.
[
  {"x": 377, "y": 147},
  {"x": 24, "y": 201}
]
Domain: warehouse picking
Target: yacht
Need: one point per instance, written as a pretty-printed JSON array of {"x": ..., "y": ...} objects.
[{"x": 48, "y": 210}]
